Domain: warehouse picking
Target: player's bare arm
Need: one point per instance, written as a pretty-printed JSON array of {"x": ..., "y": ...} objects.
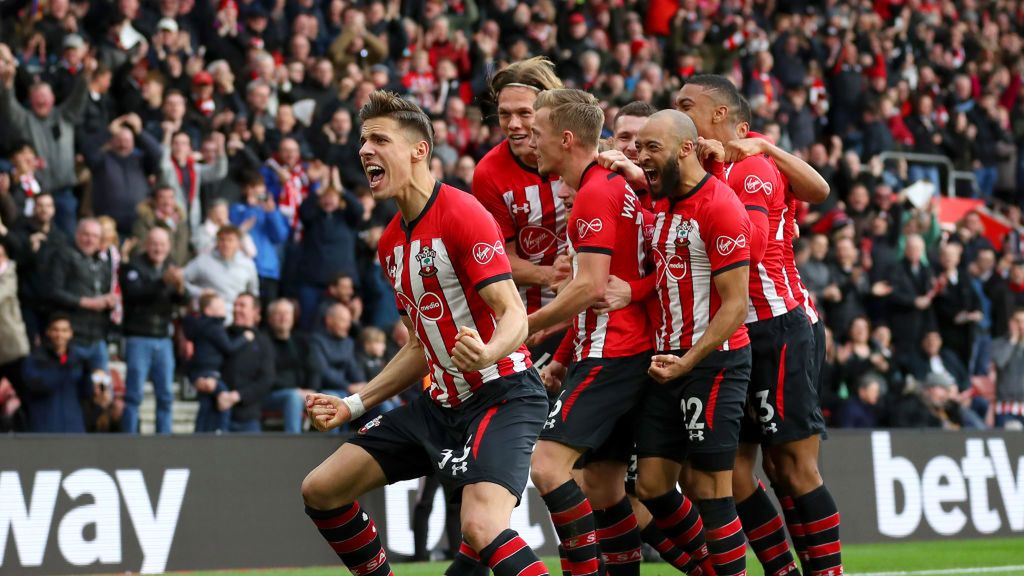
[
  {"x": 470, "y": 353},
  {"x": 408, "y": 367},
  {"x": 526, "y": 273},
  {"x": 617, "y": 161},
  {"x": 732, "y": 286},
  {"x": 807, "y": 184},
  {"x": 586, "y": 289}
]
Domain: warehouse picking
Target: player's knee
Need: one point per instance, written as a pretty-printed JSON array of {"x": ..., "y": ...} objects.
[
  {"x": 318, "y": 493},
  {"x": 479, "y": 529},
  {"x": 649, "y": 486}
]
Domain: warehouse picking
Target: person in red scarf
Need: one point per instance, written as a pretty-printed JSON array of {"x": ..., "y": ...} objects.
[
  {"x": 288, "y": 180},
  {"x": 182, "y": 170}
]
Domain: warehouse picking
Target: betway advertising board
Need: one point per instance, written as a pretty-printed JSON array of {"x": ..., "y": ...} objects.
[{"x": 104, "y": 504}]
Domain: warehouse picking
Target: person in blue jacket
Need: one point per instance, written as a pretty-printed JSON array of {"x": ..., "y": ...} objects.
[
  {"x": 268, "y": 228},
  {"x": 57, "y": 380}
]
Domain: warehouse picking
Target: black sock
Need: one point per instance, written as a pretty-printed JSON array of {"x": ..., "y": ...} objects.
[
  {"x": 677, "y": 517},
  {"x": 668, "y": 551},
  {"x": 766, "y": 533},
  {"x": 466, "y": 563},
  {"x": 354, "y": 538},
  {"x": 820, "y": 517},
  {"x": 509, "y": 555},
  {"x": 619, "y": 539},
  {"x": 574, "y": 524},
  {"x": 726, "y": 542}
]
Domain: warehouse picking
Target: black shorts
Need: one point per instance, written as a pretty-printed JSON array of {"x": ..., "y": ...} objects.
[
  {"x": 819, "y": 353},
  {"x": 595, "y": 409},
  {"x": 542, "y": 352},
  {"x": 697, "y": 417},
  {"x": 782, "y": 400},
  {"x": 490, "y": 438}
]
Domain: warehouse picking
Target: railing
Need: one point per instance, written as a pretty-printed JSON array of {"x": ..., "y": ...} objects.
[{"x": 952, "y": 175}]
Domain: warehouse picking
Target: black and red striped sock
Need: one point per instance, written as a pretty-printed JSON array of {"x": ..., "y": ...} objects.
[
  {"x": 564, "y": 561},
  {"x": 466, "y": 563},
  {"x": 820, "y": 517},
  {"x": 353, "y": 536},
  {"x": 668, "y": 551},
  {"x": 766, "y": 533},
  {"x": 795, "y": 528},
  {"x": 726, "y": 542},
  {"x": 510, "y": 555},
  {"x": 677, "y": 517},
  {"x": 619, "y": 539},
  {"x": 574, "y": 524}
]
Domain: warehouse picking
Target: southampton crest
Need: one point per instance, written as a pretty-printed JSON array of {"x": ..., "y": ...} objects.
[{"x": 426, "y": 260}]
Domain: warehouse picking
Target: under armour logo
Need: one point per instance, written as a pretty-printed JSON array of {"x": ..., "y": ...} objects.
[
  {"x": 696, "y": 436},
  {"x": 770, "y": 428},
  {"x": 549, "y": 424},
  {"x": 484, "y": 252},
  {"x": 517, "y": 208},
  {"x": 391, "y": 268},
  {"x": 752, "y": 185},
  {"x": 727, "y": 245},
  {"x": 460, "y": 467},
  {"x": 584, "y": 227}
]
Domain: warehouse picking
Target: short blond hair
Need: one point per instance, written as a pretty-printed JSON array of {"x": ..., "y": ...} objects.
[
  {"x": 537, "y": 73},
  {"x": 574, "y": 110}
]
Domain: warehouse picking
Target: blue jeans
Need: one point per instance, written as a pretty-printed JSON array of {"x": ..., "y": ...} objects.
[
  {"x": 247, "y": 427},
  {"x": 209, "y": 418},
  {"x": 981, "y": 355},
  {"x": 148, "y": 358},
  {"x": 926, "y": 172},
  {"x": 310, "y": 297},
  {"x": 96, "y": 354},
  {"x": 1003, "y": 419},
  {"x": 292, "y": 406},
  {"x": 986, "y": 176},
  {"x": 66, "y": 205}
]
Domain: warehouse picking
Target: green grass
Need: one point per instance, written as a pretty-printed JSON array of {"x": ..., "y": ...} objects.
[{"x": 857, "y": 559}]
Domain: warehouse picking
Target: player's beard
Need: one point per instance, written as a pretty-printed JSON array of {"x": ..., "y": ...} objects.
[{"x": 670, "y": 180}]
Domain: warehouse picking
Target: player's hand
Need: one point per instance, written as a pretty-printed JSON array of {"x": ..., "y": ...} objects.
[
  {"x": 665, "y": 367},
  {"x": 552, "y": 376},
  {"x": 618, "y": 162},
  {"x": 744, "y": 148},
  {"x": 710, "y": 150},
  {"x": 617, "y": 295},
  {"x": 470, "y": 352},
  {"x": 560, "y": 271},
  {"x": 326, "y": 412}
]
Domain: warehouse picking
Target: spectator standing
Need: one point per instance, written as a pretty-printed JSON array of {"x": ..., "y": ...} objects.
[
  {"x": 956, "y": 304},
  {"x": 152, "y": 289},
  {"x": 248, "y": 372},
  {"x": 12, "y": 328},
  {"x": 1008, "y": 358},
  {"x": 181, "y": 170},
  {"x": 211, "y": 347},
  {"x": 844, "y": 296},
  {"x": 994, "y": 293},
  {"x": 120, "y": 172},
  {"x": 57, "y": 381},
  {"x": 258, "y": 216},
  {"x": 162, "y": 211},
  {"x": 80, "y": 284},
  {"x": 33, "y": 242},
  {"x": 328, "y": 247},
  {"x": 22, "y": 184},
  {"x": 51, "y": 130},
  {"x": 293, "y": 366},
  {"x": 226, "y": 270},
  {"x": 860, "y": 356},
  {"x": 913, "y": 287}
]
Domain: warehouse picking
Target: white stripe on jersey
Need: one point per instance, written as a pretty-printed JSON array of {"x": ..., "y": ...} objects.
[
  {"x": 461, "y": 315},
  {"x": 775, "y": 302},
  {"x": 700, "y": 271}
]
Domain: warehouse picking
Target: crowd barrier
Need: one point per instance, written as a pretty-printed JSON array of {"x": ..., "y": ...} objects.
[{"x": 106, "y": 504}]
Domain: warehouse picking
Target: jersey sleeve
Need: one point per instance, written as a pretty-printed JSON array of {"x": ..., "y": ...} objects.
[
  {"x": 755, "y": 182},
  {"x": 596, "y": 216},
  {"x": 478, "y": 250},
  {"x": 729, "y": 240},
  {"x": 485, "y": 189}
]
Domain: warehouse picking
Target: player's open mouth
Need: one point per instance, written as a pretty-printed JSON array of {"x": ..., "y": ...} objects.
[
  {"x": 517, "y": 138},
  {"x": 652, "y": 175},
  {"x": 375, "y": 173}
]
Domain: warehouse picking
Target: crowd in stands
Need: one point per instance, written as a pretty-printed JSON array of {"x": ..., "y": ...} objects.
[{"x": 180, "y": 183}]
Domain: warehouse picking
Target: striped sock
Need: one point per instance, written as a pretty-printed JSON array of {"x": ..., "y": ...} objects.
[
  {"x": 619, "y": 538},
  {"x": 820, "y": 518},
  {"x": 795, "y": 529},
  {"x": 726, "y": 542},
  {"x": 574, "y": 524},
  {"x": 668, "y": 551},
  {"x": 677, "y": 517},
  {"x": 766, "y": 532},
  {"x": 509, "y": 555},
  {"x": 466, "y": 563},
  {"x": 564, "y": 561},
  {"x": 353, "y": 536}
]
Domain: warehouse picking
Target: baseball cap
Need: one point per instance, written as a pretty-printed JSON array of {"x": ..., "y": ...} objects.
[
  {"x": 202, "y": 78},
  {"x": 577, "y": 18},
  {"x": 73, "y": 41},
  {"x": 167, "y": 24}
]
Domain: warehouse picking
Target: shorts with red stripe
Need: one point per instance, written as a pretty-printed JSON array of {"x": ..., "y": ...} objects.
[
  {"x": 782, "y": 400},
  {"x": 489, "y": 438},
  {"x": 696, "y": 418},
  {"x": 596, "y": 409}
]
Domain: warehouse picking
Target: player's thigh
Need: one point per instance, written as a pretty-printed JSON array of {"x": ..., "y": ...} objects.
[
  {"x": 655, "y": 476},
  {"x": 343, "y": 477},
  {"x": 486, "y": 510}
]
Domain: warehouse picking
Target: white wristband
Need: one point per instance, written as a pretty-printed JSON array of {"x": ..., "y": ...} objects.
[{"x": 355, "y": 405}]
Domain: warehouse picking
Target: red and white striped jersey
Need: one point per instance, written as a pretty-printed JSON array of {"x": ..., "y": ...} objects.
[
  {"x": 696, "y": 237},
  {"x": 528, "y": 210},
  {"x": 607, "y": 219},
  {"x": 437, "y": 264},
  {"x": 758, "y": 183}
]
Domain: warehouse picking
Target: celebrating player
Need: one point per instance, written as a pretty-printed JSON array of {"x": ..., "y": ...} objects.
[
  {"x": 783, "y": 412},
  {"x": 476, "y": 424},
  {"x": 525, "y": 204},
  {"x": 611, "y": 350}
]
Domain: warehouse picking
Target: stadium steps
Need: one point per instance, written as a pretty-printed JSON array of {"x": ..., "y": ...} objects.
[{"x": 183, "y": 412}]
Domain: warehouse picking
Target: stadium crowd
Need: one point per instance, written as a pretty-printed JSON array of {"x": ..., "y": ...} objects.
[{"x": 180, "y": 183}]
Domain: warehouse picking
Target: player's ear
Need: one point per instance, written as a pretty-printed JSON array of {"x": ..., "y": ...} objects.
[
  {"x": 567, "y": 139},
  {"x": 721, "y": 114},
  {"x": 421, "y": 151}
]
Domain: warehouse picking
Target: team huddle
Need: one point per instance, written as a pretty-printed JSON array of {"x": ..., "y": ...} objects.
[{"x": 610, "y": 323}]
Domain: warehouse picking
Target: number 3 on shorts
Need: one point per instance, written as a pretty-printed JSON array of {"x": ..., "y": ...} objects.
[{"x": 765, "y": 410}]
